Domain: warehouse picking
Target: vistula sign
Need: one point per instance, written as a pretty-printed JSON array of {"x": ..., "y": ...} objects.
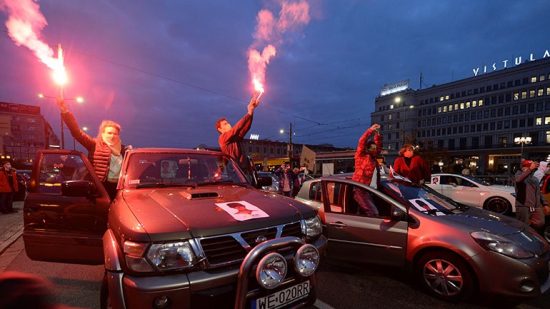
[{"x": 508, "y": 63}]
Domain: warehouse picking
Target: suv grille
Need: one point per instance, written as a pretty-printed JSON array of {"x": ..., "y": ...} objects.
[{"x": 232, "y": 248}]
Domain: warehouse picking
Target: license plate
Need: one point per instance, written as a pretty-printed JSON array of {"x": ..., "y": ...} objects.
[{"x": 283, "y": 297}]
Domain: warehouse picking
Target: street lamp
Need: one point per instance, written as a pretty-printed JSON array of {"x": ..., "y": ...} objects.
[
  {"x": 522, "y": 140},
  {"x": 78, "y": 99}
]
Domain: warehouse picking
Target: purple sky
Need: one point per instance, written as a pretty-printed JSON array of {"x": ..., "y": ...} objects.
[{"x": 166, "y": 70}]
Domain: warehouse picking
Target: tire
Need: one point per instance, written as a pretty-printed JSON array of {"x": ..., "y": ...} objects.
[
  {"x": 446, "y": 276},
  {"x": 498, "y": 205},
  {"x": 105, "y": 300}
]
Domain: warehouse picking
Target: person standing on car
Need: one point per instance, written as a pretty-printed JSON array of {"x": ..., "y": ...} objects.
[
  {"x": 231, "y": 137},
  {"x": 367, "y": 169},
  {"x": 105, "y": 151},
  {"x": 411, "y": 165},
  {"x": 8, "y": 187},
  {"x": 529, "y": 201}
]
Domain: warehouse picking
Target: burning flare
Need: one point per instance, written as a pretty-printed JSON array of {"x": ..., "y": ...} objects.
[
  {"x": 269, "y": 32},
  {"x": 24, "y": 24}
]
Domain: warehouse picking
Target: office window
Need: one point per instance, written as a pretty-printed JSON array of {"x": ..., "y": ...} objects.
[
  {"x": 529, "y": 122},
  {"x": 473, "y": 128},
  {"x": 474, "y": 103},
  {"x": 506, "y": 124},
  {"x": 522, "y": 109},
  {"x": 532, "y": 93},
  {"x": 462, "y": 105},
  {"x": 542, "y": 78},
  {"x": 466, "y": 129},
  {"x": 517, "y": 82},
  {"x": 456, "y": 106},
  {"x": 547, "y": 120},
  {"x": 493, "y": 112},
  {"x": 507, "y": 111},
  {"x": 524, "y": 94},
  {"x": 548, "y": 136},
  {"x": 522, "y": 123},
  {"x": 538, "y": 121},
  {"x": 441, "y": 98},
  {"x": 500, "y": 112},
  {"x": 499, "y": 125},
  {"x": 534, "y": 79},
  {"x": 547, "y": 90},
  {"x": 467, "y": 104},
  {"x": 485, "y": 126},
  {"x": 514, "y": 123},
  {"x": 516, "y": 96},
  {"x": 439, "y": 109},
  {"x": 531, "y": 107},
  {"x": 510, "y": 84}
]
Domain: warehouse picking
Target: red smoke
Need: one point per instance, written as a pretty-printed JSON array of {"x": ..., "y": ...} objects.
[
  {"x": 269, "y": 34},
  {"x": 25, "y": 22}
]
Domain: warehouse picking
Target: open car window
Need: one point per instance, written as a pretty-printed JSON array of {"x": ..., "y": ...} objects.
[
  {"x": 180, "y": 169},
  {"x": 56, "y": 168}
]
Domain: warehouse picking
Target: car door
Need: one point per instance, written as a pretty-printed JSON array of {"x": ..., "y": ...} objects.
[
  {"x": 359, "y": 236},
  {"x": 65, "y": 213},
  {"x": 468, "y": 192}
]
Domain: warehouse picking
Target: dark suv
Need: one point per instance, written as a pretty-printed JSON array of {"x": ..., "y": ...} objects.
[{"x": 185, "y": 230}]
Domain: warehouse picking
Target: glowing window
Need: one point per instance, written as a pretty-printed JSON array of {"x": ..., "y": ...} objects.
[
  {"x": 516, "y": 96},
  {"x": 547, "y": 137},
  {"x": 524, "y": 94},
  {"x": 542, "y": 78},
  {"x": 540, "y": 92},
  {"x": 546, "y": 120},
  {"x": 391, "y": 106},
  {"x": 439, "y": 109},
  {"x": 480, "y": 102},
  {"x": 446, "y": 97},
  {"x": 531, "y": 93},
  {"x": 444, "y": 109},
  {"x": 474, "y": 103},
  {"x": 461, "y": 105},
  {"x": 538, "y": 121},
  {"x": 441, "y": 99},
  {"x": 456, "y": 106},
  {"x": 548, "y": 91},
  {"x": 467, "y": 104},
  {"x": 534, "y": 79},
  {"x": 389, "y": 117},
  {"x": 450, "y": 108}
]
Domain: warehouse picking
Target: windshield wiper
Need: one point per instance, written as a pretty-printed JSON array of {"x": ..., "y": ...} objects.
[
  {"x": 165, "y": 185},
  {"x": 222, "y": 182}
]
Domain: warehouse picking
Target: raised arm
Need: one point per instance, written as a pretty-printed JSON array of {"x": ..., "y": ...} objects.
[
  {"x": 87, "y": 141},
  {"x": 363, "y": 139}
]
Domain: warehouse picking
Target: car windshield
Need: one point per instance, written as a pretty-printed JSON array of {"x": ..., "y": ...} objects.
[
  {"x": 421, "y": 198},
  {"x": 181, "y": 169}
]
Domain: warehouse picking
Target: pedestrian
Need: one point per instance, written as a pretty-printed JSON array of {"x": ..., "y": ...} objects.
[
  {"x": 298, "y": 179},
  {"x": 367, "y": 169},
  {"x": 105, "y": 151},
  {"x": 411, "y": 165},
  {"x": 286, "y": 179},
  {"x": 529, "y": 200},
  {"x": 8, "y": 187},
  {"x": 231, "y": 137}
]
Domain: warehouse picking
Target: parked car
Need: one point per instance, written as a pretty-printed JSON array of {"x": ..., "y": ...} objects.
[
  {"x": 453, "y": 250},
  {"x": 185, "y": 230},
  {"x": 545, "y": 190},
  {"x": 475, "y": 192}
]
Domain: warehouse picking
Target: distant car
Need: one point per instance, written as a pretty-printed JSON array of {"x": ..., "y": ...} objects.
[
  {"x": 475, "y": 192},
  {"x": 274, "y": 182},
  {"x": 453, "y": 250}
]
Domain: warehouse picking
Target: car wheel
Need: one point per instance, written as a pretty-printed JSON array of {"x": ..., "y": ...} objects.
[
  {"x": 104, "y": 298},
  {"x": 498, "y": 205},
  {"x": 446, "y": 276}
]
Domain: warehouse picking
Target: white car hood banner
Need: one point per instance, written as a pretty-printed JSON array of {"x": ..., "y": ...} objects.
[{"x": 242, "y": 211}]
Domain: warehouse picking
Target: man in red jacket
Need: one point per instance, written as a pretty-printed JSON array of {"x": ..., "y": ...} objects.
[
  {"x": 412, "y": 166},
  {"x": 366, "y": 169},
  {"x": 8, "y": 187},
  {"x": 231, "y": 136}
]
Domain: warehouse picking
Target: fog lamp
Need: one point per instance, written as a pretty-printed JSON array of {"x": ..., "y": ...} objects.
[
  {"x": 161, "y": 302},
  {"x": 306, "y": 260},
  {"x": 271, "y": 270}
]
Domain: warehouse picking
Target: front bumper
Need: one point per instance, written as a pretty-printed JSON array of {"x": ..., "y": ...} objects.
[
  {"x": 205, "y": 288},
  {"x": 499, "y": 274}
]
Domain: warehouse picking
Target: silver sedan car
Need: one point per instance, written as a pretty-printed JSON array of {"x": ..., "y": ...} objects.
[{"x": 453, "y": 250}]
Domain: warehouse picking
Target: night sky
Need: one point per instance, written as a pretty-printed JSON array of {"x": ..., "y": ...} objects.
[{"x": 166, "y": 70}]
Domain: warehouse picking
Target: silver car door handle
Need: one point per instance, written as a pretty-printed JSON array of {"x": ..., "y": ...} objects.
[{"x": 337, "y": 224}]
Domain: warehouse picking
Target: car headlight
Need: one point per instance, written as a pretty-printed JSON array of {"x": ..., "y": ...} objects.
[
  {"x": 271, "y": 270},
  {"x": 306, "y": 260},
  {"x": 312, "y": 227},
  {"x": 501, "y": 245},
  {"x": 171, "y": 256}
]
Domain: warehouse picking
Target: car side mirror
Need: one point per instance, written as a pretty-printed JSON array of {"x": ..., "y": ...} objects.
[
  {"x": 398, "y": 214},
  {"x": 264, "y": 181},
  {"x": 76, "y": 188}
]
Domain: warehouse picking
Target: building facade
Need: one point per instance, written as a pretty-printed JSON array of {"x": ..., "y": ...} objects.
[
  {"x": 477, "y": 122},
  {"x": 23, "y": 132}
]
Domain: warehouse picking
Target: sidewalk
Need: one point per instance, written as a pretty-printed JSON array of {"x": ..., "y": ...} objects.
[{"x": 11, "y": 226}]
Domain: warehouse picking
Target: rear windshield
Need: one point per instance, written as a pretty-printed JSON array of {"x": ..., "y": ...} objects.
[{"x": 175, "y": 169}]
